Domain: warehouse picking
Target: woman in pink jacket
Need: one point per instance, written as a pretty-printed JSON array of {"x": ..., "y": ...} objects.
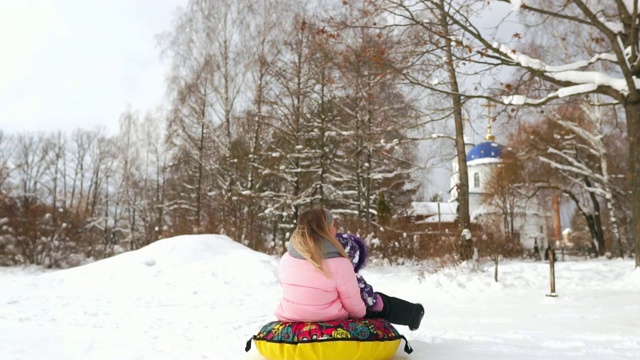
[{"x": 317, "y": 278}]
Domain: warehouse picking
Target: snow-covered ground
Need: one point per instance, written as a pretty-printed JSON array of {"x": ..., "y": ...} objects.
[{"x": 203, "y": 297}]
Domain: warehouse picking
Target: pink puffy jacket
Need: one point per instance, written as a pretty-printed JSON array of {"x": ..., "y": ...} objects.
[{"x": 308, "y": 295}]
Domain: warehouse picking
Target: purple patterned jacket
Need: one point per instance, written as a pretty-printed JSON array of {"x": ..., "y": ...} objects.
[{"x": 357, "y": 252}]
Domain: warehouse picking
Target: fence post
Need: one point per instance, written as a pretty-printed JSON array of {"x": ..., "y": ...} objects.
[{"x": 552, "y": 272}]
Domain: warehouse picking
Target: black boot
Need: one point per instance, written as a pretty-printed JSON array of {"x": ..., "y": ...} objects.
[
  {"x": 399, "y": 312},
  {"x": 416, "y": 321}
]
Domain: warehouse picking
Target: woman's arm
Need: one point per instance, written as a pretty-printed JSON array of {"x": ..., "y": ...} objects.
[{"x": 348, "y": 289}]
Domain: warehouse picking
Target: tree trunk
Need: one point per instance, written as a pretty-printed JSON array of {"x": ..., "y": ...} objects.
[
  {"x": 198, "y": 223},
  {"x": 597, "y": 235},
  {"x": 597, "y": 219},
  {"x": 632, "y": 109},
  {"x": 611, "y": 206},
  {"x": 456, "y": 98}
]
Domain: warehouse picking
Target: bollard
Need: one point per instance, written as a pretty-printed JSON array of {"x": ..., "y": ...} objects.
[{"x": 552, "y": 273}]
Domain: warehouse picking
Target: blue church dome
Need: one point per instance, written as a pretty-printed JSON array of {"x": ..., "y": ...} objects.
[{"x": 487, "y": 149}]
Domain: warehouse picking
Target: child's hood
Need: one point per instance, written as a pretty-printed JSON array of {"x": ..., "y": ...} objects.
[{"x": 355, "y": 249}]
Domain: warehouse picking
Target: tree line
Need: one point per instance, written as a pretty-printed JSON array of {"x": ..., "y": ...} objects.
[{"x": 266, "y": 118}]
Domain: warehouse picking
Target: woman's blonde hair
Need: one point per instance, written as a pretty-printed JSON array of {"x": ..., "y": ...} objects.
[{"x": 307, "y": 237}]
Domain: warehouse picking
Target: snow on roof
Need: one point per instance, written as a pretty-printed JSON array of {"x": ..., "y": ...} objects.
[
  {"x": 431, "y": 208},
  {"x": 487, "y": 160},
  {"x": 483, "y": 210},
  {"x": 520, "y": 208}
]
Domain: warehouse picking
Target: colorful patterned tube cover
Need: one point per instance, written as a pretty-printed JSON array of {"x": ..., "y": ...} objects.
[{"x": 354, "y": 339}]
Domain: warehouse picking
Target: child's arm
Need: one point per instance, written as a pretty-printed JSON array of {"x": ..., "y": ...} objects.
[{"x": 369, "y": 297}]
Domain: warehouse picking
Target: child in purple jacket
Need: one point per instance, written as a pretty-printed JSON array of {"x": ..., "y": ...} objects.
[{"x": 379, "y": 305}]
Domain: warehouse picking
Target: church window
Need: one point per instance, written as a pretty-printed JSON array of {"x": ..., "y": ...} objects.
[{"x": 476, "y": 180}]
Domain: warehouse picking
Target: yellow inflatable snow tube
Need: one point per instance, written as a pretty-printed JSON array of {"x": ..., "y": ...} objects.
[{"x": 360, "y": 339}]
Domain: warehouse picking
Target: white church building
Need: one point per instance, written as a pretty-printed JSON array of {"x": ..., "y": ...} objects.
[{"x": 529, "y": 218}]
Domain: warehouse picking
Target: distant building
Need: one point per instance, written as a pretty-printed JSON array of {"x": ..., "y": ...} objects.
[
  {"x": 482, "y": 159},
  {"x": 433, "y": 212}
]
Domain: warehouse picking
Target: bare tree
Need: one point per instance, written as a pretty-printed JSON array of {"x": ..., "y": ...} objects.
[
  {"x": 377, "y": 114},
  {"x": 264, "y": 37},
  {"x": 80, "y": 144},
  {"x": 291, "y": 99},
  {"x": 439, "y": 62},
  {"x": 128, "y": 178},
  {"x": 54, "y": 150},
  {"x": 29, "y": 171},
  {"x": 506, "y": 192},
  {"x": 613, "y": 23},
  {"x": 5, "y": 155},
  {"x": 570, "y": 153},
  {"x": 155, "y": 165},
  {"x": 99, "y": 205},
  {"x": 209, "y": 56},
  {"x": 599, "y": 178}
]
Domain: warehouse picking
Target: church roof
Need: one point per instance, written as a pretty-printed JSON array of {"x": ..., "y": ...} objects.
[{"x": 487, "y": 149}]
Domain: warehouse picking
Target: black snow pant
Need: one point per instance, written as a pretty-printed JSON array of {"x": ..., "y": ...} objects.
[{"x": 398, "y": 311}]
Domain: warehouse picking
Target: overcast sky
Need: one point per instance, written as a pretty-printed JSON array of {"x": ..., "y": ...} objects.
[{"x": 66, "y": 64}]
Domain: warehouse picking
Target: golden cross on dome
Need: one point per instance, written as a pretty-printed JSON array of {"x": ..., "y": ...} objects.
[{"x": 489, "y": 105}]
